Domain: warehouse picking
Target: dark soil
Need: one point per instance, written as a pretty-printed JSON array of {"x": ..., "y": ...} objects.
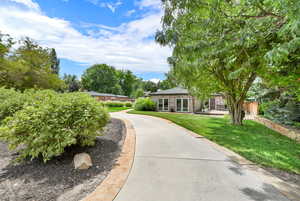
[{"x": 57, "y": 179}]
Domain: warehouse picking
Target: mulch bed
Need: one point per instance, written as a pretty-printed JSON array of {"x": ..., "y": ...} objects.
[{"x": 57, "y": 179}]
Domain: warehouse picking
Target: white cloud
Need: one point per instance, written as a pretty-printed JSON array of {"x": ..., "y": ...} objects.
[
  {"x": 155, "y": 80},
  {"x": 28, "y": 3},
  {"x": 113, "y": 6},
  {"x": 156, "y": 4},
  {"x": 130, "y": 45},
  {"x": 129, "y": 13},
  {"x": 110, "y": 5}
]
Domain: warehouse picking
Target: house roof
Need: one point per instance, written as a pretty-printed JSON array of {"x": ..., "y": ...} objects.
[
  {"x": 93, "y": 93},
  {"x": 173, "y": 91},
  {"x": 176, "y": 91}
]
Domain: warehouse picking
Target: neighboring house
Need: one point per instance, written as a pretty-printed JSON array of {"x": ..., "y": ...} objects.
[
  {"x": 110, "y": 97},
  {"x": 180, "y": 100}
]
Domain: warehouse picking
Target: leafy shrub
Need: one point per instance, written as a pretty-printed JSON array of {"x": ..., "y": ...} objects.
[
  {"x": 144, "y": 104},
  {"x": 128, "y": 104},
  {"x": 10, "y": 102},
  {"x": 297, "y": 125},
  {"x": 114, "y": 104},
  {"x": 287, "y": 113},
  {"x": 53, "y": 122}
]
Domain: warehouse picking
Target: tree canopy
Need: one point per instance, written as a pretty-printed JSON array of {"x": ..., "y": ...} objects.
[
  {"x": 223, "y": 46},
  {"x": 101, "y": 78},
  {"x": 28, "y": 66},
  {"x": 72, "y": 83}
]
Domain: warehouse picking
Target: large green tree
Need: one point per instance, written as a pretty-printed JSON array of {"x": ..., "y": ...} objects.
[
  {"x": 223, "y": 46},
  {"x": 169, "y": 82},
  {"x": 101, "y": 78},
  {"x": 127, "y": 81},
  {"x": 29, "y": 66},
  {"x": 150, "y": 86},
  {"x": 72, "y": 83}
]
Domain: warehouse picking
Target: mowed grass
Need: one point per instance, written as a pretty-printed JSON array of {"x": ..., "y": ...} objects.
[
  {"x": 253, "y": 141},
  {"x": 117, "y": 109}
]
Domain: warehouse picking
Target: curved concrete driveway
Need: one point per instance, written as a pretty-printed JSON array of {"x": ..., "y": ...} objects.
[{"x": 171, "y": 165}]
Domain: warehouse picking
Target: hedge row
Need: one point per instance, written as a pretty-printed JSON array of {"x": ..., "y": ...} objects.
[
  {"x": 117, "y": 104},
  {"x": 44, "y": 122}
]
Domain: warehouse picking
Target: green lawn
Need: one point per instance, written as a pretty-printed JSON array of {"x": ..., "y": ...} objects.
[
  {"x": 117, "y": 109},
  {"x": 253, "y": 141}
]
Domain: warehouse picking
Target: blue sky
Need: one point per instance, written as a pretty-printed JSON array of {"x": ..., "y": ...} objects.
[{"x": 84, "y": 32}]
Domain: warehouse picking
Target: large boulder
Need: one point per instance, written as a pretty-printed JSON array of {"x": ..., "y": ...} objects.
[{"x": 82, "y": 161}]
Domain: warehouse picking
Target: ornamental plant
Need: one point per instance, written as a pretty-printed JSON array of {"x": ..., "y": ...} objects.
[
  {"x": 52, "y": 122},
  {"x": 144, "y": 104},
  {"x": 10, "y": 102},
  {"x": 128, "y": 104}
]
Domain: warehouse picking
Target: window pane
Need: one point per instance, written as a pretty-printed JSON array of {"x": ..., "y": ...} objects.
[
  {"x": 160, "y": 104},
  {"x": 166, "y": 104},
  {"x": 185, "y": 105},
  {"x": 178, "y": 105}
]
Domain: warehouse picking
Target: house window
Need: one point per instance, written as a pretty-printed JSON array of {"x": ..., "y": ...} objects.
[
  {"x": 163, "y": 104},
  {"x": 182, "y": 105}
]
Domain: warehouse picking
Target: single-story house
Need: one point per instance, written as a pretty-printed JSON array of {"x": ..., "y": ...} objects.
[
  {"x": 109, "y": 97},
  {"x": 180, "y": 100}
]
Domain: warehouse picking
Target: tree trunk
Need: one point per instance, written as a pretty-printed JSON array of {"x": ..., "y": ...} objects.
[{"x": 236, "y": 111}]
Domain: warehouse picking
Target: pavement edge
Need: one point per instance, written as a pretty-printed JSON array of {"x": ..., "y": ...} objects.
[{"x": 115, "y": 180}]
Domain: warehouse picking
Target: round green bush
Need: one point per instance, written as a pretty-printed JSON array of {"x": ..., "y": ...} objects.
[
  {"x": 144, "y": 104},
  {"x": 53, "y": 122},
  {"x": 128, "y": 104}
]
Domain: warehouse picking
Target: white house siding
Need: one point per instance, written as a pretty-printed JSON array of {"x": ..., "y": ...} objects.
[{"x": 172, "y": 101}]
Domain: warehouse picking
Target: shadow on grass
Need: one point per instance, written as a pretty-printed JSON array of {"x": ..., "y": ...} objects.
[{"x": 256, "y": 143}]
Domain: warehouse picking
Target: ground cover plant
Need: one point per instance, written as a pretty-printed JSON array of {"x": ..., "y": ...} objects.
[
  {"x": 49, "y": 122},
  {"x": 253, "y": 141}
]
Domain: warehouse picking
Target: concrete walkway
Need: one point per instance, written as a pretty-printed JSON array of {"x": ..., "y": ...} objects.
[{"x": 171, "y": 165}]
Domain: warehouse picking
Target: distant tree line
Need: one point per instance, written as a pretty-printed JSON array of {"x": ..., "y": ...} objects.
[
  {"x": 107, "y": 79},
  {"x": 33, "y": 66}
]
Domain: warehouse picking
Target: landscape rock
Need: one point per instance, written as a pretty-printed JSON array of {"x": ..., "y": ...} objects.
[{"x": 82, "y": 161}]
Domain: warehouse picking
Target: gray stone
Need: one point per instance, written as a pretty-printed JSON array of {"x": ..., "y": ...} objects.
[{"x": 82, "y": 161}]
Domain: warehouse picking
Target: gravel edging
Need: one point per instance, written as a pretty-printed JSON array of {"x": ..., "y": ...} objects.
[{"x": 57, "y": 180}]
